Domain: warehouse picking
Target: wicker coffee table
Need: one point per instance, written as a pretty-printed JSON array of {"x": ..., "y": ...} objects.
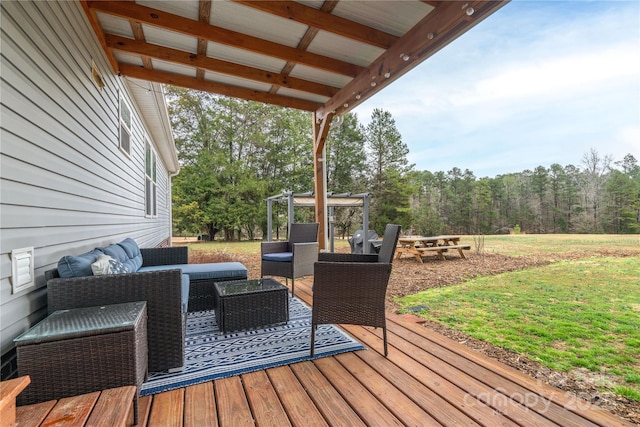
[
  {"x": 250, "y": 304},
  {"x": 83, "y": 350}
]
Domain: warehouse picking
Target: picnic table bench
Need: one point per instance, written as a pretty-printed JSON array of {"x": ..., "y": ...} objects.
[{"x": 416, "y": 246}]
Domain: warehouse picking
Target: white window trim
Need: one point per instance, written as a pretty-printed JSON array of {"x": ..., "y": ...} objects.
[
  {"x": 123, "y": 101},
  {"x": 152, "y": 179}
]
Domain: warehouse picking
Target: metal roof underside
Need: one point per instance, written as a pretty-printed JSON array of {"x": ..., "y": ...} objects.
[{"x": 320, "y": 56}]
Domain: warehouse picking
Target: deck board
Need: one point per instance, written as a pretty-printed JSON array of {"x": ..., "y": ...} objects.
[
  {"x": 200, "y": 406},
  {"x": 263, "y": 400},
  {"x": 329, "y": 402},
  {"x": 233, "y": 406},
  {"x": 299, "y": 406}
]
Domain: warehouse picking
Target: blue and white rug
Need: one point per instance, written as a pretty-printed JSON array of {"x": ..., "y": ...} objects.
[{"x": 210, "y": 355}]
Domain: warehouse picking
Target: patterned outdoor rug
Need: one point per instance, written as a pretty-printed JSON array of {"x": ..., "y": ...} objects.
[{"x": 211, "y": 355}]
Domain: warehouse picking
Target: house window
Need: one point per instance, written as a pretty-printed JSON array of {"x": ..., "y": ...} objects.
[
  {"x": 150, "y": 182},
  {"x": 125, "y": 126}
]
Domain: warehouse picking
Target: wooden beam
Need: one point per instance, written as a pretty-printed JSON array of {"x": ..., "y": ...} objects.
[
  {"x": 324, "y": 21},
  {"x": 435, "y": 31},
  {"x": 321, "y": 127},
  {"x": 306, "y": 40},
  {"x": 216, "y": 65},
  {"x": 219, "y": 88},
  {"x": 169, "y": 21},
  {"x": 138, "y": 34}
]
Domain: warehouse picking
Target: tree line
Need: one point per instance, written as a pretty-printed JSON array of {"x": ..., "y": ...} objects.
[{"x": 234, "y": 154}]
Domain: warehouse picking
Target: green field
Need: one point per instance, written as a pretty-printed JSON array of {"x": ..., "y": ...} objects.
[
  {"x": 512, "y": 244},
  {"x": 525, "y": 244}
]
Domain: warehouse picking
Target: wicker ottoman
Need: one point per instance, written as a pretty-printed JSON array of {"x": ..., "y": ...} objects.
[
  {"x": 78, "y": 351},
  {"x": 250, "y": 304}
]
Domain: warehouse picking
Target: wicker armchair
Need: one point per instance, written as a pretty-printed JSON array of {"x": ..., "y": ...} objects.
[
  {"x": 351, "y": 288},
  {"x": 162, "y": 290},
  {"x": 294, "y": 258}
]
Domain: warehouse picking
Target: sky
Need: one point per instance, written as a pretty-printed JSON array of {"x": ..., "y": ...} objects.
[{"x": 536, "y": 83}]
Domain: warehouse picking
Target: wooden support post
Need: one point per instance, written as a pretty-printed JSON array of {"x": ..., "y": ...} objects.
[{"x": 320, "y": 132}]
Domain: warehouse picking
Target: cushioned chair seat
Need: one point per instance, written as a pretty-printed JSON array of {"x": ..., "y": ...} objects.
[
  {"x": 184, "y": 280},
  {"x": 207, "y": 271},
  {"x": 279, "y": 257}
]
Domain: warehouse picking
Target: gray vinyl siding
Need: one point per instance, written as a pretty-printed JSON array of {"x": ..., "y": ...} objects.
[{"x": 65, "y": 186}]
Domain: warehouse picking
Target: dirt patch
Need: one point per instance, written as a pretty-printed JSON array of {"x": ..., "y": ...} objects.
[{"x": 409, "y": 277}]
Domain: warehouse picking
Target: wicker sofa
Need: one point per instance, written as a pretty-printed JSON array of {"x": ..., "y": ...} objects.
[{"x": 164, "y": 279}]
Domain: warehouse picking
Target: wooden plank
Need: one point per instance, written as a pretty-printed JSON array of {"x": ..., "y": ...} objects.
[
  {"x": 72, "y": 411},
  {"x": 445, "y": 401},
  {"x": 114, "y": 408},
  {"x": 233, "y": 408},
  {"x": 329, "y": 402},
  {"x": 407, "y": 411},
  {"x": 144, "y": 410},
  {"x": 33, "y": 415},
  {"x": 442, "y": 248},
  {"x": 299, "y": 406},
  {"x": 200, "y": 406},
  {"x": 167, "y": 408},
  {"x": 263, "y": 400},
  {"x": 367, "y": 406}
]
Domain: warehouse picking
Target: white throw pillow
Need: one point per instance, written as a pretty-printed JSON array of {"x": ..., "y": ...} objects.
[
  {"x": 101, "y": 266},
  {"x": 107, "y": 265}
]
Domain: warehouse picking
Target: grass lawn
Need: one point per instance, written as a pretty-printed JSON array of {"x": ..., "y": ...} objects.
[
  {"x": 526, "y": 244},
  {"x": 511, "y": 245},
  {"x": 568, "y": 315}
]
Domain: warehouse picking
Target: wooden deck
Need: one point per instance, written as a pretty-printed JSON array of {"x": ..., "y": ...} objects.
[{"x": 427, "y": 379}]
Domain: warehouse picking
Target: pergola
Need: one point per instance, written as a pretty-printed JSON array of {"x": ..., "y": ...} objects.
[
  {"x": 308, "y": 200},
  {"x": 322, "y": 56}
]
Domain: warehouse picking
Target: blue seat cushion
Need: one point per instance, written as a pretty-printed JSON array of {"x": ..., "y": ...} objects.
[
  {"x": 184, "y": 280},
  {"x": 214, "y": 270},
  {"x": 278, "y": 257}
]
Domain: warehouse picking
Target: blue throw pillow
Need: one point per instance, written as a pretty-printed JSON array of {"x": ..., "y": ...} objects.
[
  {"x": 133, "y": 253},
  {"x": 116, "y": 252},
  {"x": 78, "y": 265}
]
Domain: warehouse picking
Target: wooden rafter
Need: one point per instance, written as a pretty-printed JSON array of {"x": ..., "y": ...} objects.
[
  {"x": 227, "y": 90},
  {"x": 203, "y": 62},
  {"x": 179, "y": 24},
  {"x": 306, "y": 40},
  {"x": 325, "y": 21}
]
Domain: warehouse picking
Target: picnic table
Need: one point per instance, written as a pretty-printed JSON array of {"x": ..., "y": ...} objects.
[{"x": 417, "y": 246}]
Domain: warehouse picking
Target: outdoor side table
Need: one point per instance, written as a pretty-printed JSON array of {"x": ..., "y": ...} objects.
[
  {"x": 82, "y": 350},
  {"x": 250, "y": 304}
]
